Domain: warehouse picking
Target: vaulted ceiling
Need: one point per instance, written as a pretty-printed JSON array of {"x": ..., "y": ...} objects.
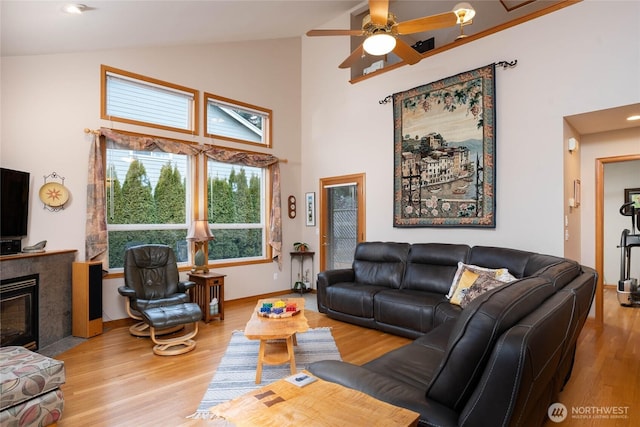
[{"x": 31, "y": 27}]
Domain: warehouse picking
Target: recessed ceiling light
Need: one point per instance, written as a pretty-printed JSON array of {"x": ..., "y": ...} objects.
[
  {"x": 74, "y": 8},
  {"x": 634, "y": 117}
]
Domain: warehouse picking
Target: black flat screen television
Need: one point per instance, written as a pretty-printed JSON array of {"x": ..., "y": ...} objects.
[{"x": 14, "y": 204}]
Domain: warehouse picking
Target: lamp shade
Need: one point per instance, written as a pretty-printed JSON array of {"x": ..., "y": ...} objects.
[
  {"x": 379, "y": 44},
  {"x": 199, "y": 231},
  {"x": 465, "y": 12}
]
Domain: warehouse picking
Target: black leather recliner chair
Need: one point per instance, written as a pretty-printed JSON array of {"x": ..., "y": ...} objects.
[{"x": 156, "y": 296}]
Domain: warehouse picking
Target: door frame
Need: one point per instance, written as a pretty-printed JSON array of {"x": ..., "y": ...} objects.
[
  {"x": 600, "y": 162},
  {"x": 359, "y": 180}
]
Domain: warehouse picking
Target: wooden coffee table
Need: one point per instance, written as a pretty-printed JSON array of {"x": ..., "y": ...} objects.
[
  {"x": 320, "y": 403},
  {"x": 277, "y": 336}
]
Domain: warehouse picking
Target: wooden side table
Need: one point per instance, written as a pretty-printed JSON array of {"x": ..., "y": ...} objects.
[{"x": 208, "y": 286}]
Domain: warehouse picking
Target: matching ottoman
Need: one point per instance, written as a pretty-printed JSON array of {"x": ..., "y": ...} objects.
[
  {"x": 30, "y": 392},
  {"x": 160, "y": 318}
]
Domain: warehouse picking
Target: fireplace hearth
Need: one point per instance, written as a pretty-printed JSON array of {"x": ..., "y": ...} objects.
[{"x": 19, "y": 311}]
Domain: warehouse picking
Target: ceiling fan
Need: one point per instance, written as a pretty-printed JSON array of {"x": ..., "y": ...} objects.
[{"x": 381, "y": 29}]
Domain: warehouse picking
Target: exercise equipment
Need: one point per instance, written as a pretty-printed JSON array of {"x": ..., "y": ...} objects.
[{"x": 628, "y": 292}]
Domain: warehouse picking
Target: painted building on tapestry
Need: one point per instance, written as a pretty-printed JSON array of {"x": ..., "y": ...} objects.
[{"x": 429, "y": 162}]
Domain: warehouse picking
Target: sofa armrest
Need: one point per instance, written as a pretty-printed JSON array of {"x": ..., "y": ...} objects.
[
  {"x": 386, "y": 389},
  {"x": 328, "y": 278}
]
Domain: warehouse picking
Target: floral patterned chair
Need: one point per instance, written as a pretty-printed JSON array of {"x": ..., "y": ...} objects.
[{"x": 30, "y": 393}]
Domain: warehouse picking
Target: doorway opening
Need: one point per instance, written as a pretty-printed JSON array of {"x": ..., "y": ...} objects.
[{"x": 599, "y": 240}]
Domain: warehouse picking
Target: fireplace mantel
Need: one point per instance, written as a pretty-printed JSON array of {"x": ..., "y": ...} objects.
[
  {"x": 54, "y": 295},
  {"x": 35, "y": 254}
]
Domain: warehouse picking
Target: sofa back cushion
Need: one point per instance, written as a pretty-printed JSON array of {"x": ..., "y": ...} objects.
[
  {"x": 521, "y": 370},
  {"x": 380, "y": 263},
  {"x": 558, "y": 271},
  {"x": 514, "y": 260},
  {"x": 475, "y": 333},
  {"x": 431, "y": 266}
]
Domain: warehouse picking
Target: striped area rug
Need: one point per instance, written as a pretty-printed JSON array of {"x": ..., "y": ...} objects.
[{"x": 236, "y": 374}]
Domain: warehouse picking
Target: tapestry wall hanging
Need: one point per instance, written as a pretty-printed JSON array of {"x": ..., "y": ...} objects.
[{"x": 444, "y": 152}]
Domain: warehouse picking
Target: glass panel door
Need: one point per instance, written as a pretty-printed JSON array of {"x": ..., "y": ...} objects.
[
  {"x": 342, "y": 226},
  {"x": 342, "y": 220}
]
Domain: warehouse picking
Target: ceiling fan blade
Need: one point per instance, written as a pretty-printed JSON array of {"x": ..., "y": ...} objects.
[
  {"x": 379, "y": 11},
  {"x": 312, "y": 33},
  {"x": 427, "y": 23},
  {"x": 355, "y": 55},
  {"x": 406, "y": 52}
]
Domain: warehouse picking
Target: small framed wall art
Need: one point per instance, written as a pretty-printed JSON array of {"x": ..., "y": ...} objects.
[{"x": 310, "y": 206}]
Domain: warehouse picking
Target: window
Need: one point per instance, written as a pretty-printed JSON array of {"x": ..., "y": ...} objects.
[
  {"x": 236, "y": 211},
  {"x": 132, "y": 98},
  {"x": 153, "y": 195},
  {"x": 236, "y": 121},
  {"x": 148, "y": 200}
]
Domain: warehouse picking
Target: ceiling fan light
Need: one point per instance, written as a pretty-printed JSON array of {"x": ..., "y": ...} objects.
[
  {"x": 464, "y": 11},
  {"x": 379, "y": 44},
  {"x": 74, "y": 8}
]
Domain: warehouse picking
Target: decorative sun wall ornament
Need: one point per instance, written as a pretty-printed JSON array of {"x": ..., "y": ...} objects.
[{"x": 54, "y": 194}]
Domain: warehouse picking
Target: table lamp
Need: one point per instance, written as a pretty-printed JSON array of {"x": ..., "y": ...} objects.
[{"x": 199, "y": 233}]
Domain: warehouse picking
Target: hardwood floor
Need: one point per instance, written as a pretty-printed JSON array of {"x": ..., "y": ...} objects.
[
  {"x": 114, "y": 379},
  {"x": 606, "y": 374}
]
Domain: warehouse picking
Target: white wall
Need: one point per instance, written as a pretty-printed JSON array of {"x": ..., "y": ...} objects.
[
  {"x": 572, "y": 215},
  {"x": 582, "y": 58},
  {"x": 48, "y": 100}
]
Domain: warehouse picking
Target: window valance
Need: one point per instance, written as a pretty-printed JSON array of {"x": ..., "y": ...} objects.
[{"x": 96, "y": 226}]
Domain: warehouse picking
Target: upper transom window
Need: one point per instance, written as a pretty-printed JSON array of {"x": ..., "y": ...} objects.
[
  {"x": 133, "y": 98},
  {"x": 237, "y": 121}
]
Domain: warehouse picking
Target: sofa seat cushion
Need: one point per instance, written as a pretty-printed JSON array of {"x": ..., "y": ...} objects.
[
  {"x": 26, "y": 374},
  {"x": 385, "y": 388},
  {"x": 139, "y": 304},
  {"x": 353, "y": 298},
  {"x": 415, "y": 363},
  {"x": 407, "y": 308},
  {"x": 412, "y": 364}
]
